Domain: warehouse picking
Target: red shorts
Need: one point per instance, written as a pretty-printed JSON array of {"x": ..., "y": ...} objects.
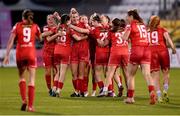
[
  {"x": 140, "y": 55},
  {"x": 48, "y": 58},
  {"x": 101, "y": 58},
  {"x": 118, "y": 60},
  {"x": 26, "y": 62},
  {"x": 80, "y": 53},
  {"x": 62, "y": 54},
  {"x": 61, "y": 59},
  {"x": 160, "y": 59}
]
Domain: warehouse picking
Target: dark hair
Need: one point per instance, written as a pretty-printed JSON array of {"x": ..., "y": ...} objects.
[
  {"x": 28, "y": 15},
  {"x": 118, "y": 24},
  {"x": 96, "y": 17},
  {"x": 65, "y": 18},
  {"x": 135, "y": 15}
]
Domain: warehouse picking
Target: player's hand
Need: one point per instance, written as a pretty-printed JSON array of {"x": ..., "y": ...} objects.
[
  {"x": 173, "y": 51},
  {"x": 68, "y": 23},
  {"x": 6, "y": 60},
  {"x": 73, "y": 11},
  {"x": 56, "y": 14}
]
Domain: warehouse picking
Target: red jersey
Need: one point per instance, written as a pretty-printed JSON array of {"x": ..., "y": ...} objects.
[
  {"x": 26, "y": 35},
  {"x": 63, "y": 43},
  {"x": 118, "y": 45},
  {"x": 85, "y": 41},
  {"x": 48, "y": 46},
  {"x": 100, "y": 33},
  {"x": 156, "y": 38},
  {"x": 138, "y": 34}
]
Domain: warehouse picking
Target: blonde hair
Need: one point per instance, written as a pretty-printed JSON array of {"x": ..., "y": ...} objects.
[{"x": 154, "y": 22}]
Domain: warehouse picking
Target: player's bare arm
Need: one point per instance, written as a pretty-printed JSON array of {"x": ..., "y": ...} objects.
[
  {"x": 78, "y": 29},
  {"x": 169, "y": 40},
  {"x": 9, "y": 46}
]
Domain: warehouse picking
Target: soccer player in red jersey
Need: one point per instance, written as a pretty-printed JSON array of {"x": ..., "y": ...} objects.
[
  {"x": 140, "y": 55},
  {"x": 92, "y": 50},
  {"x": 102, "y": 53},
  {"x": 118, "y": 55},
  {"x": 48, "y": 51},
  {"x": 25, "y": 33},
  {"x": 160, "y": 56},
  {"x": 84, "y": 19},
  {"x": 79, "y": 56}
]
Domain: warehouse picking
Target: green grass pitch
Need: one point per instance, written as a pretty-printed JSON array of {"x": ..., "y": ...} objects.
[{"x": 10, "y": 101}]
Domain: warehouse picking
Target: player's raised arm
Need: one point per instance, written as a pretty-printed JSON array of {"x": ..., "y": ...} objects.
[{"x": 127, "y": 32}]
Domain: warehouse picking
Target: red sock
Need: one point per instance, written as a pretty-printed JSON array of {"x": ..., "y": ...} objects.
[
  {"x": 151, "y": 88},
  {"x": 78, "y": 87},
  {"x": 130, "y": 93},
  {"x": 100, "y": 84},
  {"x": 48, "y": 81},
  {"x": 81, "y": 85},
  {"x": 22, "y": 87},
  {"x": 60, "y": 85},
  {"x": 86, "y": 84},
  {"x": 120, "y": 78},
  {"x": 110, "y": 88},
  {"x": 94, "y": 86},
  {"x": 74, "y": 84},
  {"x": 30, "y": 95},
  {"x": 55, "y": 84}
]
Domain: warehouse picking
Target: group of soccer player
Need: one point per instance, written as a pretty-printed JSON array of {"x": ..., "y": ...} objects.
[{"x": 97, "y": 43}]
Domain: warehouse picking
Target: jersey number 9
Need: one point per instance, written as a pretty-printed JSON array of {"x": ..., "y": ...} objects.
[{"x": 26, "y": 34}]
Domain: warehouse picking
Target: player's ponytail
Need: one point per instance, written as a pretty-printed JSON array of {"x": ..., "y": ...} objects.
[
  {"x": 28, "y": 15},
  {"x": 135, "y": 15},
  {"x": 154, "y": 23}
]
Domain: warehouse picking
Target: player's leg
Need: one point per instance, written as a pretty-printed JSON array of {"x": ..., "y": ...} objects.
[
  {"x": 108, "y": 80},
  {"x": 165, "y": 84},
  {"x": 125, "y": 74},
  {"x": 74, "y": 70},
  {"x": 86, "y": 79},
  {"x": 22, "y": 87},
  {"x": 61, "y": 79},
  {"x": 147, "y": 76},
  {"x": 31, "y": 88},
  {"x": 81, "y": 71},
  {"x": 47, "y": 66},
  {"x": 156, "y": 78},
  {"x": 98, "y": 73},
  {"x": 94, "y": 82},
  {"x": 165, "y": 67},
  {"x": 48, "y": 77},
  {"x": 132, "y": 69},
  {"x": 118, "y": 82},
  {"x": 55, "y": 82}
]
